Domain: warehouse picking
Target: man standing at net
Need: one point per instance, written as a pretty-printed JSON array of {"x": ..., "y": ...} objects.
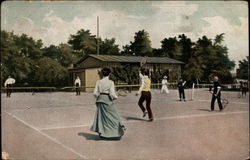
[
  {"x": 145, "y": 94},
  {"x": 8, "y": 84},
  {"x": 181, "y": 89},
  {"x": 78, "y": 84},
  {"x": 216, "y": 94}
]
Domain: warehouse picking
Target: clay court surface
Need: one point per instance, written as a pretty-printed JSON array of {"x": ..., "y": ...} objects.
[{"x": 56, "y": 126}]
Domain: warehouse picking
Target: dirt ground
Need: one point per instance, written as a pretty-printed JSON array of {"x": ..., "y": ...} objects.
[{"x": 56, "y": 126}]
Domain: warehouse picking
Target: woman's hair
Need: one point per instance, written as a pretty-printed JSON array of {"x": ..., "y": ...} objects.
[
  {"x": 105, "y": 71},
  {"x": 146, "y": 72}
]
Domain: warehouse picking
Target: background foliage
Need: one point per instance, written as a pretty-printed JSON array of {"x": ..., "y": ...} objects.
[{"x": 32, "y": 64}]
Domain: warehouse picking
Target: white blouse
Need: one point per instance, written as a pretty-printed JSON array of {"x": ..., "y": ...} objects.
[
  {"x": 164, "y": 82},
  {"x": 105, "y": 85},
  {"x": 78, "y": 81},
  {"x": 9, "y": 81}
]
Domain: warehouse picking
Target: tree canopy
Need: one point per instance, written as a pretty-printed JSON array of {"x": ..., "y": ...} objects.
[
  {"x": 141, "y": 46},
  {"x": 26, "y": 60},
  {"x": 244, "y": 68}
]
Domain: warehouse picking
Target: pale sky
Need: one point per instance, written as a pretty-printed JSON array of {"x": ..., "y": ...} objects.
[{"x": 53, "y": 22}]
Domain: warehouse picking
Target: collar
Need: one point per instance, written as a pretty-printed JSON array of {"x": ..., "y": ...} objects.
[{"x": 106, "y": 77}]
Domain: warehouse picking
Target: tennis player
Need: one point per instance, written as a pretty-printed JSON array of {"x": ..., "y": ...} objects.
[
  {"x": 107, "y": 122},
  {"x": 164, "y": 87},
  {"x": 8, "y": 84},
  {"x": 216, "y": 94},
  {"x": 144, "y": 90}
]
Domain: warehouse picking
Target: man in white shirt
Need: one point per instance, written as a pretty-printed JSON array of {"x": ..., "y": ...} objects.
[
  {"x": 8, "y": 84},
  {"x": 144, "y": 90},
  {"x": 78, "y": 84}
]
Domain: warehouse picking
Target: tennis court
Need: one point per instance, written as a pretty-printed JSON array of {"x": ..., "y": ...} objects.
[{"x": 55, "y": 125}]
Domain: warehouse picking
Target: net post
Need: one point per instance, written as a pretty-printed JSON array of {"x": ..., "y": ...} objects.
[{"x": 192, "y": 94}]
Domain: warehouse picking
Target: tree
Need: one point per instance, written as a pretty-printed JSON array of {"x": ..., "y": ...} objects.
[
  {"x": 244, "y": 68},
  {"x": 68, "y": 57},
  {"x": 109, "y": 47},
  {"x": 209, "y": 58},
  {"x": 169, "y": 47},
  {"x": 193, "y": 70},
  {"x": 126, "y": 50},
  {"x": 28, "y": 47},
  {"x": 50, "y": 73},
  {"x": 125, "y": 74},
  {"x": 19, "y": 54},
  {"x": 157, "y": 52},
  {"x": 186, "y": 47},
  {"x": 84, "y": 42},
  {"x": 219, "y": 39},
  {"x": 52, "y": 52},
  {"x": 141, "y": 46},
  {"x": 25, "y": 60}
]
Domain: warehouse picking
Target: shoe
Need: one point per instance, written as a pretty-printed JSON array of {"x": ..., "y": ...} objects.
[
  {"x": 144, "y": 114},
  {"x": 150, "y": 120},
  {"x": 184, "y": 100},
  {"x": 124, "y": 128}
]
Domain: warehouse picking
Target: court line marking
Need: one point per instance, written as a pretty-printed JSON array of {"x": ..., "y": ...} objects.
[
  {"x": 49, "y": 137},
  {"x": 202, "y": 115},
  {"x": 156, "y": 119},
  {"x": 210, "y": 101}
]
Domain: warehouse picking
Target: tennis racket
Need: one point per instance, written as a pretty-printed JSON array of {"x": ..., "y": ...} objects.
[
  {"x": 122, "y": 92},
  {"x": 143, "y": 61},
  {"x": 224, "y": 101}
]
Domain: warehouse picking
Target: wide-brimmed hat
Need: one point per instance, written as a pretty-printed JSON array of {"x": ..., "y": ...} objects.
[{"x": 165, "y": 77}]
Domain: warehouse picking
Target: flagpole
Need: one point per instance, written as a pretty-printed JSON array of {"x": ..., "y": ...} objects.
[{"x": 97, "y": 35}]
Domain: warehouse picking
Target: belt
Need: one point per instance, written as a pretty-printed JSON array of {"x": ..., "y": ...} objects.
[{"x": 105, "y": 93}]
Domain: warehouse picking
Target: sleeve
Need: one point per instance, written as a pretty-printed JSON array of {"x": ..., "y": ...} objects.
[
  {"x": 14, "y": 81},
  {"x": 218, "y": 88},
  {"x": 140, "y": 75},
  {"x": 112, "y": 91},
  {"x": 210, "y": 88},
  {"x": 162, "y": 82},
  {"x": 141, "y": 87},
  {"x": 96, "y": 93},
  {"x": 79, "y": 82},
  {"x": 75, "y": 82},
  {"x": 184, "y": 83}
]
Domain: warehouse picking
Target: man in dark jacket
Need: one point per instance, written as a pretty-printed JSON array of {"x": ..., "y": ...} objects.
[
  {"x": 180, "y": 86},
  {"x": 216, "y": 94}
]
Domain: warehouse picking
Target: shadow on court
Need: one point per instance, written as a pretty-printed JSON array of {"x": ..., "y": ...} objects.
[
  {"x": 134, "y": 118},
  {"x": 94, "y": 137},
  {"x": 207, "y": 110}
]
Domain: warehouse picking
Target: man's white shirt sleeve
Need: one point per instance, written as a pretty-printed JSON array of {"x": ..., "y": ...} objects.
[{"x": 142, "y": 85}]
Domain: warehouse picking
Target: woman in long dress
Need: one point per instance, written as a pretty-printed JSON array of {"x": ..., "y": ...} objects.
[
  {"x": 107, "y": 122},
  {"x": 164, "y": 87}
]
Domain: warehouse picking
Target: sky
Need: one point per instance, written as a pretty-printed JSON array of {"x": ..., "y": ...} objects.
[{"x": 54, "y": 22}]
